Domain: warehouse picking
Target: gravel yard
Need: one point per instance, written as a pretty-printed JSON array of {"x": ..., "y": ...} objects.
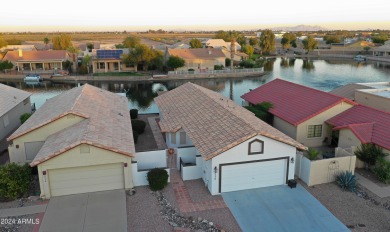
[{"x": 357, "y": 211}]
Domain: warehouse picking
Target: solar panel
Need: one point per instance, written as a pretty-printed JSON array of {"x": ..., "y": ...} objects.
[{"x": 109, "y": 54}]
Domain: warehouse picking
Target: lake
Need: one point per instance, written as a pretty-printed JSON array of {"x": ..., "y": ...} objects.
[{"x": 320, "y": 74}]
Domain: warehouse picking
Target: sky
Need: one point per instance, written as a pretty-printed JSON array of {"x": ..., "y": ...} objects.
[{"x": 49, "y": 15}]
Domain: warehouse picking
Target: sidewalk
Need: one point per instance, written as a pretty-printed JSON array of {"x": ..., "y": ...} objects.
[
  {"x": 374, "y": 188},
  {"x": 11, "y": 212}
]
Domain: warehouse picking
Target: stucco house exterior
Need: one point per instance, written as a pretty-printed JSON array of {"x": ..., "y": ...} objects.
[
  {"x": 198, "y": 59},
  {"x": 13, "y": 103},
  {"x": 110, "y": 61},
  {"x": 222, "y": 143},
  {"x": 81, "y": 141},
  {"x": 360, "y": 125},
  {"x": 300, "y": 111}
]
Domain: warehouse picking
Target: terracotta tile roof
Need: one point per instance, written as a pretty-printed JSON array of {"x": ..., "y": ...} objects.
[
  {"x": 10, "y": 97},
  {"x": 107, "y": 122},
  {"x": 197, "y": 53},
  {"x": 292, "y": 102},
  {"x": 368, "y": 124},
  {"x": 348, "y": 90},
  {"x": 13, "y": 56},
  {"x": 213, "y": 122}
]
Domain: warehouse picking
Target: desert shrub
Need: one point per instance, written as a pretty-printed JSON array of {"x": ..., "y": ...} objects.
[
  {"x": 135, "y": 136},
  {"x": 24, "y": 117},
  {"x": 191, "y": 70},
  {"x": 133, "y": 113},
  {"x": 14, "y": 181},
  {"x": 347, "y": 180},
  {"x": 138, "y": 125},
  {"x": 218, "y": 67},
  {"x": 370, "y": 153},
  {"x": 382, "y": 170},
  {"x": 312, "y": 153},
  {"x": 157, "y": 178}
]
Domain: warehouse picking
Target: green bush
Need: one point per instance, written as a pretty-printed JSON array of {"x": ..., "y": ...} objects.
[
  {"x": 24, "y": 117},
  {"x": 135, "y": 136},
  {"x": 133, "y": 113},
  {"x": 370, "y": 153},
  {"x": 347, "y": 180},
  {"x": 312, "y": 153},
  {"x": 138, "y": 125},
  {"x": 157, "y": 178},
  {"x": 218, "y": 67},
  {"x": 191, "y": 70},
  {"x": 14, "y": 181},
  {"x": 382, "y": 170}
]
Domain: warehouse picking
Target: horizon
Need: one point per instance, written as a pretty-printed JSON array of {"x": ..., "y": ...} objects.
[{"x": 178, "y": 16}]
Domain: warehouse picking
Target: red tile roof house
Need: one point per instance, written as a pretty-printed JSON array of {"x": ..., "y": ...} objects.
[
  {"x": 37, "y": 61},
  {"x": 300, "y": 111},
  {"x": 81, "y": 141},
  {"x": 198, "y": 59},
  {"x": 222, "y": 143},
  {"x": 361, "y": 125}
]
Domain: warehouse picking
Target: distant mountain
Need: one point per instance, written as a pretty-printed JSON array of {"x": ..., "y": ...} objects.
[{"x": 300, "y": 28}]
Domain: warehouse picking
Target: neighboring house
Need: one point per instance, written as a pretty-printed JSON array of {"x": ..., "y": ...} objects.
[
  {"x": 232, "y": 148},
  {"x": 383, "y": 50},
  {"x": 362, "y": 124},
  {"x": 238, "y": 56},
  {"x": 199, "y": 59},
  {"x": 110, "y": 61},
  {"x": 81, "y": 141},
  {"x": 375, "y": 94},
  {"x": 37, "y": 60},
  {"x": 300, "y": 111},
  {"x": 220, "y": 43},
  {"x": 13, "y": 103},
  {"x": 17, "y": 47}
]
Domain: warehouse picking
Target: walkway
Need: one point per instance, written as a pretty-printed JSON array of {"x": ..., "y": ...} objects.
[
  {"x": 183, "y": 198},
  {"x": 12, "y": 212},
  {"x": 374, "y": 188},
  {"x": 158, "y": 137}
]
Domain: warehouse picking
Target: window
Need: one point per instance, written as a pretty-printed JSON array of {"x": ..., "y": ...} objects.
[
  {"x": 173, "y": 138},
  {"x": 84, "y": 148},
  {"x": 102, "y": 65},
  {"x": 5, "y": 120},
  {"x": 256, "y": 147},
  {"x": 314, "y": 131},
  {"x": 116, "y": 66},
  {"x": 182, "y": 137}
]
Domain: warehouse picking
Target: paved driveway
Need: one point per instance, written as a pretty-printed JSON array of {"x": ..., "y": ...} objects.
[
  {"x": 280, "y": 208},
  {"x": 99, "y": 211}
]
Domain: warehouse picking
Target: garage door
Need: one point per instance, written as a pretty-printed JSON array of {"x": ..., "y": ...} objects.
[
  {"x": 67, "y": 181},
  {"x": 251, "y": 175}
]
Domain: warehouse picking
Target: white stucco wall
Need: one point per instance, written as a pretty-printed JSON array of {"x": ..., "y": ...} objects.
[
  {"x": 151, "y": 159},
  {"x": 171, "y": 143},
  {"x": 13, "y": 118},
  {"x": 239, "y": 153}
]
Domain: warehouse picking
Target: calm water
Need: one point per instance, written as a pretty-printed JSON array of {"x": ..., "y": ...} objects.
[{"x": 320, "y": 74}]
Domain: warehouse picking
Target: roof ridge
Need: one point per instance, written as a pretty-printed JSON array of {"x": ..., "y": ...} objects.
[{"x": 78, "y": 98}]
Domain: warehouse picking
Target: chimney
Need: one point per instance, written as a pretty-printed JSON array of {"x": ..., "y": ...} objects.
[{"x": 20, "y": 52}]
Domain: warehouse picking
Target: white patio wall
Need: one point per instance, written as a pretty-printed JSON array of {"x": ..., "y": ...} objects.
[
  {"x": 187, "y": 154},
  {"x": 151, "y": 159},
  {"x": 140, "y": 178},
  {"x": 193, "y": 172}
]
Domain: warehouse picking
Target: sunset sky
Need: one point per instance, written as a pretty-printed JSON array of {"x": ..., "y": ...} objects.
[{"x": 45, "y": 15}]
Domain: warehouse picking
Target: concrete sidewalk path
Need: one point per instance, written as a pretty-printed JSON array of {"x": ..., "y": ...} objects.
[
  {"x": 374, "y": 188},
  {"x": 11, "y": 212}
]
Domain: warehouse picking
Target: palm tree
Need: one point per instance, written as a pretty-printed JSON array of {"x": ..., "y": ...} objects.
[{"x": 46, "y": 41}]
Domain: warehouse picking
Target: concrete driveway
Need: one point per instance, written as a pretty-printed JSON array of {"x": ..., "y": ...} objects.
[
  {"x": 280, "y": 208},
  {"x": 99, "y": 211}
]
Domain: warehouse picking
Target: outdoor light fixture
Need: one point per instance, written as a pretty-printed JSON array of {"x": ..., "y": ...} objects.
[
  {"x": 292, "y": 160},
  {"x": 215, "y": 172}
]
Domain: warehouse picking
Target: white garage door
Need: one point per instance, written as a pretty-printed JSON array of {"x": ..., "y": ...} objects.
[
  {"x": 253, "y": 175},
  {"x": 67, "y": 181}
]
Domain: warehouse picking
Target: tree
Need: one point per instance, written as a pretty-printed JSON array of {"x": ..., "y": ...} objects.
[
  {"x": 141, "y": 54},
  {"x": 261, "y": 111},
  {"x": 195, "y": 43},
  {"x": 131, "y": 42},
  {"x": 253, "y": 41},
  {"x": 3, "y": 43},
  {"x": 309, "y": 44},
  {"x": 175, "y": 62},
  {"x": 369, "y": 153},
  {"x": 247, "y": 49},
  {"x": 288, "y": 40},
  {"x": 267, "y": 41},
  {"x": 6, "y": 65},
  {"x": 229, "y": 35},
  {"x": 381, "y": 38},
  {"x": 332, "y": 39},
  {"x": 62, "y": 42},
  {"x": 46, "y": 41},
  {"x": 86, "y": 61},
  {"x": 227, "y": 62}
]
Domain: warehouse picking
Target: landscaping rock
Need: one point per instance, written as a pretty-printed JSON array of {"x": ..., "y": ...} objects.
[{"x": 131, "y": 192}]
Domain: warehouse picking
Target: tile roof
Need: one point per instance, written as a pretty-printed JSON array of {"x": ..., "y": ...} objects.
[
  {"x": 197, "y": 53},
  {"x": 368, "y": 124},
  {"x": 213, "y": 122},
  {"x": 106, "y": 125},
  {"x": 13, "y": 56},
  {"x": 10, "y": 97},
  {"x": 348, "y": 90},
  {"x": 292, "y": 102}
]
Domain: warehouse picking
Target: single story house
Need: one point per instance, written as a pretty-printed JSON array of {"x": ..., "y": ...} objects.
[
  {"x": 199, "y": 59},
  {"x": 238, "y": 56},
  {"x": 360, "y": 125},
  {"x": 376, "y": 94},
  {"x": 13, "y": 103},
  {"x": 383, "y": 50},
  {"x": 300, "y": 111},
  {"x": 81, "y": 141},
  {"x": 231, "y": 149},
  {"x": 110, "y": 61},
  {"x": 37, "y": 60},
  {"x": 220, "y": 43}
]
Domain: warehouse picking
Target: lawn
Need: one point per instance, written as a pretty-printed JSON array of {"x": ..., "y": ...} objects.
[{"x": 118, "y": 74}]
